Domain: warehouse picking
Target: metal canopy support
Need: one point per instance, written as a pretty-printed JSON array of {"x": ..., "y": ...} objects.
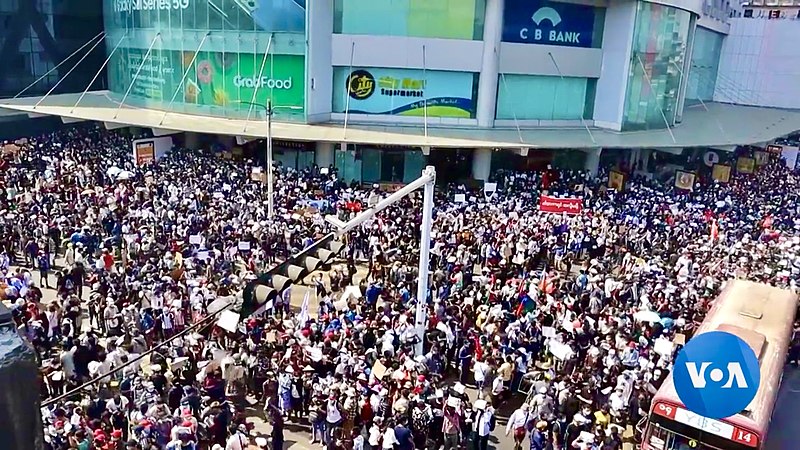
[
  {"x": 426, "y": 181},
  {"x": 661, "y": 110},
  {"x": 183, "y": 78},
  {"x": 68, "y": 73},
  {"x": 424, "y": 92},
  {"x": 99, "y": 71},
  {"x": 513, "y": 110},
  {"x": 347, "y": 99},
  {"x": 102, "y": 33},
  {"x": 136, "y": 75},
  {"x": 252, "y": 101},
  {"x": 561, "y": 75},
  {"x": 719, "y": 125}
]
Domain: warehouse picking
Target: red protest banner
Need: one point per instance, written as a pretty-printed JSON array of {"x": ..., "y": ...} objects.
[{"x": 560, "y": 205}]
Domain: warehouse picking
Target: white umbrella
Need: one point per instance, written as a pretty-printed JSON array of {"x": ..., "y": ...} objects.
[
  {"x": 125, "y": 175},
  {"x": 647, "y": 316},
  {"x": 113, "y": 171}
]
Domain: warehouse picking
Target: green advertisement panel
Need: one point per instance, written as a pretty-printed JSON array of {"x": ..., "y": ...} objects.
[
  {"x": 404, "y": 92},
  {"x": 446, "y": 19},
  {"x": 213, "y": 79}
]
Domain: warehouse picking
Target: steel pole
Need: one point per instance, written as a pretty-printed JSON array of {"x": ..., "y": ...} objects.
[
  {"x": 270, "y": 199},
  {"x": 421, "y": 321}
]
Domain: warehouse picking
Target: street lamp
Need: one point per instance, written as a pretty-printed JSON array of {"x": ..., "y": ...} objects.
[{"x": 269, "y": 109}]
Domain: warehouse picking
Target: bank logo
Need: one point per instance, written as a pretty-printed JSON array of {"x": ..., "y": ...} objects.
[
  {"x": 716, "y": 375},
  {"x": 546, "y": 13},
  {"x": 552, "y": 35},
  {"x": 360, "y": 85}
]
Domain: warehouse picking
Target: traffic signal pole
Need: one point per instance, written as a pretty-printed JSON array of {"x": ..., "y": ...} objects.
[{"x": 427, "y": 182}]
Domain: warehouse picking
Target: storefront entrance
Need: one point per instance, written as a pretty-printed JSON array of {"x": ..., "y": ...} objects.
[{"x": 452, "y": 165}]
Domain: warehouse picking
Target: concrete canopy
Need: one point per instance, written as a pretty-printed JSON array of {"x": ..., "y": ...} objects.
[{"x": 720, "y": 125}]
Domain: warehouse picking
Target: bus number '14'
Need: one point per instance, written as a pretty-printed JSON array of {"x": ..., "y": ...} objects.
[{"x": 743, "y": 436}]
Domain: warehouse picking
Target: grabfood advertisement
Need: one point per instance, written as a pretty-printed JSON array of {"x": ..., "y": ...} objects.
[
  {"x": 404, "y": 92},
  {"x": 213, "y": 78}
]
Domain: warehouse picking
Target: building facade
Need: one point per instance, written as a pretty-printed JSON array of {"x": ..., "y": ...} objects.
[{"x": 382, "y": 88}]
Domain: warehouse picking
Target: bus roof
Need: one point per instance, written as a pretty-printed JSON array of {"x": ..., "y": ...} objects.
[{"x": 763, "y": 316}]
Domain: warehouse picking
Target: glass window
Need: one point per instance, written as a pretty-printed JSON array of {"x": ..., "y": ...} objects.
[
  {"x": 706, "y": 50},
  {"x": 534, "y": 97},
  {"x": 659, "y": 48},
  {"x": 447, "y": 19}
]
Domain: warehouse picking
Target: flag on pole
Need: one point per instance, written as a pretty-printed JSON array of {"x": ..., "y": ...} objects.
[{"x": 303, "y": 317}]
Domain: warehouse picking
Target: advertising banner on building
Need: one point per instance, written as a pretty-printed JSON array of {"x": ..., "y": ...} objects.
[
  {"x": 213, "y": 78},
  {"x": 560, "y": 205},
  {"x": 233, "y": 15},
  {"x": 403, "y": 92},
  {"x": 548, "y": 23}
]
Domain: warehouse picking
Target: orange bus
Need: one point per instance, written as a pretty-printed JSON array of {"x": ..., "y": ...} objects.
[{"x": 761, "y": 315}]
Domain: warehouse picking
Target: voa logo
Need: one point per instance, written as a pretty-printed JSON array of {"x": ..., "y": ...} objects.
[
  {"x": 716, "y": 375},
  {"x": 550, "y": 15},
  {"x": 263, "y": 82}
]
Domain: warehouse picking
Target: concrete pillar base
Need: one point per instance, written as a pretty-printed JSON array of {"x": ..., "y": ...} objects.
[
  {"x": 482, "y": 164},
  {"x": 592, "y": 164},
  {"x": 324, "y": 154}
]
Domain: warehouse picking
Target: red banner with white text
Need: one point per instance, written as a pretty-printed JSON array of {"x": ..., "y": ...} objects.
[{"x": 560, "y": 205}]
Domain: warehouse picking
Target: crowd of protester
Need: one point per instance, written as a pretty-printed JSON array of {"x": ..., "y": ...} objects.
[{"x": 566, "y": 308}]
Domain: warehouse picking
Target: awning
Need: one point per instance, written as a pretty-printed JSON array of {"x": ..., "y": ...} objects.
[{"x": 721, "y": 125}]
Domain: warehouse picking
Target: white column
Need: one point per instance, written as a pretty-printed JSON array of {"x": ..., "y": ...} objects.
[
  {"x": 421, "y": 317},
  {"x": 192, "y": 140},
  {"x": 323, "y": 154},
  {"x": 481, "y": 163},
  {"x": 646, "y": 152},
  {"x": 592, "y": 163},
  {"x": 487, "y": 83}
]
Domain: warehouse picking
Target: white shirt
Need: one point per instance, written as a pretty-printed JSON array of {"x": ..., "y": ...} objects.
[
  {"x": 519, "y": 419},
  {"x": 482, "y": 422},
  {"x": 333, "y": 415},
  {"x": 389, "y": 439},
  {"x": 237, "y": 441},
  {"x": 480, "y": 369}
]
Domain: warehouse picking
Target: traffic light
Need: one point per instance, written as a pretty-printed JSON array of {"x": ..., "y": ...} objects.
[{"x": 269, "y": 285}]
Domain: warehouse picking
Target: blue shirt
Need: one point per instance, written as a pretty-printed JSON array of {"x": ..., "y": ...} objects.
[{"x": 403, "y": 436}]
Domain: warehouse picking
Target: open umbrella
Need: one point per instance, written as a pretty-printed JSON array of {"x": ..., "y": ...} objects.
[
  {"x": 113, "y": 171},
  {"x": 647, "y": 316},
  {"x": 125, "y": 175}
]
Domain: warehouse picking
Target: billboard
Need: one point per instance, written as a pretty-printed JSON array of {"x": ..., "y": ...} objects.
[
  {"x": 549, "y": 23},
  {"x": 230, "y": 15},
  {"x": 213, "y": 78},
  {"x": 404, "y": 92}
]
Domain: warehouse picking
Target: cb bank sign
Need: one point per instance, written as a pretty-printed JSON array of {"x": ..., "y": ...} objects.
[{"x": 548, "y": 23}]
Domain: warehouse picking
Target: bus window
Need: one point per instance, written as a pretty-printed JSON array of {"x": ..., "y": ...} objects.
[{"x": 663, "y": 439}]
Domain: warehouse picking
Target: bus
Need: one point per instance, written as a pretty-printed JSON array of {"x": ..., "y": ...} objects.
[{"x": 761, "y": 315}]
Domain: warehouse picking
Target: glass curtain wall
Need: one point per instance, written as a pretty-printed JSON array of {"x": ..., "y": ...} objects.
[
  {"x": 208, "y": 56},
  {"x": 533, "y": 97},
  {"x": 446, "y": 19},
  {"x": 660, "y": 38},
  {"x": 706, "y": 50}
]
